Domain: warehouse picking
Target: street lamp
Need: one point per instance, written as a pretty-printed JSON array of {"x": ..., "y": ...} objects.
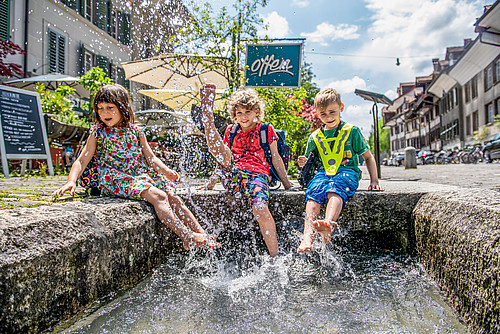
[{"x": 375, "y": 98}]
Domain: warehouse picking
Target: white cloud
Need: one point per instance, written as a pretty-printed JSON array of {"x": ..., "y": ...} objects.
[
  {"x": 391, "y": 94},
  {"x": 326, "y": 32},
  {"x": 360, "y": 116},
  {"x": 277, "y": 26},
  {"x": 348, "y": 85},
  {"x": 300, "y": 3},
  {"x": 415, "y": 32}
]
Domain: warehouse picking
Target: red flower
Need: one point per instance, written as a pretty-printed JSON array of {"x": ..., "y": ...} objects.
[
  {"x": 129, "y": 145},
  {"x": 107, "y": 178}
]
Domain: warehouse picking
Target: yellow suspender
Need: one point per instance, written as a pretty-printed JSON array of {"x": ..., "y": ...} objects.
[{"x": 331, "y": 155}]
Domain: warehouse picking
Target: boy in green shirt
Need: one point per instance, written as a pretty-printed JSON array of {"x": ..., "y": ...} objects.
[{"x": 338, "y": 145}]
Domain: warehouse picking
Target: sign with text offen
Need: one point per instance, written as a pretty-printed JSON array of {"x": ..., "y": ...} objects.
[{"x": 273, "y": 65}]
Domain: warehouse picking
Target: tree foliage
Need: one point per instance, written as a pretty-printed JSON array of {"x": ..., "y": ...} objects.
[
  {"x": 282, "y": 108},
  {"x": 93, "y": 80},
  {"x": 10, "y": 69},
  {"x": 384, "y": 138},
  {"x": 58, "y": 106},
  {"x": 222, "y": 35}
]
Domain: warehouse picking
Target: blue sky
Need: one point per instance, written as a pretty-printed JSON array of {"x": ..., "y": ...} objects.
[{"x": 354, "y": 43}]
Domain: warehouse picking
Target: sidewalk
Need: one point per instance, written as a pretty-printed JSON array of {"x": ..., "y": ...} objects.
[{"x": 36, "y": 191}]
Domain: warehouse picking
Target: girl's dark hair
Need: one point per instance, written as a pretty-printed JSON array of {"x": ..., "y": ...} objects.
[{"x": 119, "y": 96}]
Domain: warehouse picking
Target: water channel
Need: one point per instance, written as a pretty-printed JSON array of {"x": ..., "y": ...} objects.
[{"x": 334, "y": 289}]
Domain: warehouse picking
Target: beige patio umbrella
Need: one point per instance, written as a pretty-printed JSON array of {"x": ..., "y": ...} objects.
[
  {"x": 181, "y": 100},
  {"x": 179, "y": 72}
]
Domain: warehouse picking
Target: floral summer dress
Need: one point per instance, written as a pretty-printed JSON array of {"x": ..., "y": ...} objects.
[{"x": 123, "y": 171}]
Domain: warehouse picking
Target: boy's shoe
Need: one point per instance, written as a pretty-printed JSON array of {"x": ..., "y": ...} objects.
[{"x": 196, "y": 115}]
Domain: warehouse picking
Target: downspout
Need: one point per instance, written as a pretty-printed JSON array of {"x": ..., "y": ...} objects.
[{"x": 26, "y": 24}]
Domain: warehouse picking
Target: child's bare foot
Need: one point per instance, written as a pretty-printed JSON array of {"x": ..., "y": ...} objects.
[
  {"x": 200, "y": 239},
  {"x": 306, "y": 244},
  {"x": 325, "y": 228}
]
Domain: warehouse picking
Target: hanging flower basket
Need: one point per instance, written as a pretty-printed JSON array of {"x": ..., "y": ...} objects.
[{"x": 64, "y": 132}]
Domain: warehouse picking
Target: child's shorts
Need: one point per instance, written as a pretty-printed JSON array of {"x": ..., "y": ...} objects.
[
  {"x": 344, "y": 184},
  {"x": 254, "y": 186}
]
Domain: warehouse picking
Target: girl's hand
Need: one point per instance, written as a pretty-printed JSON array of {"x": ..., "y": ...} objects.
[
  {"x": 301, "y": 161},
  {"x": 173, "y": 176},
  {"x": 70, "y": 186}
]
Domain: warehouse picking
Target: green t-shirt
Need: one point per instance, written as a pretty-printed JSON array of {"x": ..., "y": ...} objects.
[{"x": 354, "y": 146}]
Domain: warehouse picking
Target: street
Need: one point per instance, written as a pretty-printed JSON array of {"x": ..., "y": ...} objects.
[{"x": 479, "y": 175}]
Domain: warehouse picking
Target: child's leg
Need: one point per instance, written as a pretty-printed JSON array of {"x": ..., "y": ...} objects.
[
  {"x": 184, "y": 214},
  {"x": 325, "y": 227},
  {"x": 267, "y": 227},
  {"x": 159, "y": 199},
  {"x": 312, "y": 213},
  {"x": 215, "y": 144}
]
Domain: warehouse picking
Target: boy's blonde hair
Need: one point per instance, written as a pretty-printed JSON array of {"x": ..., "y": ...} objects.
[
  {"x": 325, "y": 97},
  {"x": 246, "y": 98}
]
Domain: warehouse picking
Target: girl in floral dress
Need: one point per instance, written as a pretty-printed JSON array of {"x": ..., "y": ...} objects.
[{"x": 128, "y": 167}]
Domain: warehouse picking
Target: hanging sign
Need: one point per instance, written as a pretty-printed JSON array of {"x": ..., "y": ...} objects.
[
  {"x": 22, "y": 128},
  {"x": 273, "y": 65}
]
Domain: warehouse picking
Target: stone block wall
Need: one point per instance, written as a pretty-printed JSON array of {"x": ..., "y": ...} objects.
[{"x": 458, "y": 242}]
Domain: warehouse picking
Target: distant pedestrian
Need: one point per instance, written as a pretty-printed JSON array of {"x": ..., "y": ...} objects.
[{"x": 128, "y": 167}]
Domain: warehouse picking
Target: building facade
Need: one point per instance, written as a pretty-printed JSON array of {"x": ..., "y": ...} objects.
[
  {"x": 450, "y": 108},
  {"x": 72, "y": 36}
]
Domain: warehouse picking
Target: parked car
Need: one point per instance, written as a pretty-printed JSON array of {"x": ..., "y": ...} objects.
[
  {"x": 396, "y": 159},
  {"x": 491, "y": 150}
]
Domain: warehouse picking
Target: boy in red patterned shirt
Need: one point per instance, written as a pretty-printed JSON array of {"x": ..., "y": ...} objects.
[{"x": 242, "y": 166}]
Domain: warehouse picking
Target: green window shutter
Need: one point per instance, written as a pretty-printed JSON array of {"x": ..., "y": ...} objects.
[
  {"x": 73, "y": 4},
  {"x": 126, "y": 29},
  {"x": 103, "y": 63},
  {"x": 82, "y": 59},
  {"x": 109, "y": 18},
  {"x": 5, "y": 19},
  {"x": 121, "y": 78},
  {"x": 102, "y": 17},
  {"x": 56, "y": 52}
]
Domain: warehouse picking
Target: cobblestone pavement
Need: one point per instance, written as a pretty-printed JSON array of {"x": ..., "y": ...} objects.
[{"x": 35, "y": 191}]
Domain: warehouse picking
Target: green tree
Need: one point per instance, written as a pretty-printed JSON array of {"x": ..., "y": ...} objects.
[
  {"x": 58, "y": 106},
  {"x": 282, "y": 107},
  {"x": 222, "y": 35},
  {"x": 384, "y": 138},
  {"x": 93, "y": 80}
]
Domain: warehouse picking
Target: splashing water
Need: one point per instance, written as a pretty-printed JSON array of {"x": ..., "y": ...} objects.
[{"x": 331, "y": 290}]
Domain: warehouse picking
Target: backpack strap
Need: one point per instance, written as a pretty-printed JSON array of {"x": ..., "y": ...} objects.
[
  {"x": 264, "y": 142},
  {"x": 232, "y": 133}
]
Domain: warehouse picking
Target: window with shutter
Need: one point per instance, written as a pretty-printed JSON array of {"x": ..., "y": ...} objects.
[
  {"x": 56, "y": 52},
  {"x": 102, "y": 17},
  {"x": 104, "y": 64},
  {"x": 5, "y": 20},
  {"x": 126, "y": 29}
]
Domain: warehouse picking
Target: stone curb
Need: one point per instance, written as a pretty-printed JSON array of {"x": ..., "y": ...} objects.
[
  {"x": 57, "y": 260},
  {"x": 457, "y": 240}
]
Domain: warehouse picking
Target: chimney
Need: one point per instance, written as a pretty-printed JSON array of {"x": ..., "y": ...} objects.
[
  {"x": 466, "y": 42},
  {"x": 436, "y": 65}
]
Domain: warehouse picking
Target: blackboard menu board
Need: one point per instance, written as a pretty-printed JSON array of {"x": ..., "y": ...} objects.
[{"x": 21, "y": 124}]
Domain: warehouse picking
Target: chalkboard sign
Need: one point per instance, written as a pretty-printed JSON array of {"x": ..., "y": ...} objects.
[{"x": 22, "y": 128}]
